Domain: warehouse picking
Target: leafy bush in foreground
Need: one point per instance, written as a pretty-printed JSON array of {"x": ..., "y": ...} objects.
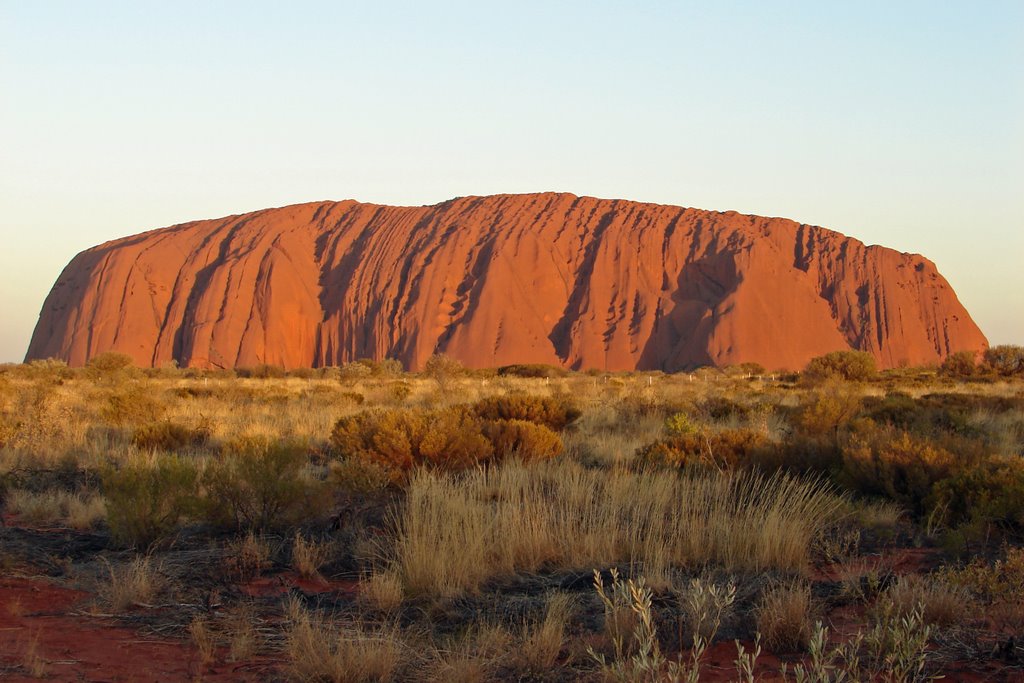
[
  {"x": 261, "y": 484},
  {"x": 896, "y": 465},
  {"x": 147, "y": 499}
]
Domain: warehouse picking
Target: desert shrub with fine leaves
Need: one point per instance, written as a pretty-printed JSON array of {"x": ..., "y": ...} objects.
[
  {"x": 960, "y": 364},
  {"x": 525, "y": 440},
  {"x": 550, "y": 412},
  {"x": 989, "y": 492},
  {"x": 132, "y": 403},
  {"x": 896, "y": 465},
  {"x": 147, "y": 498},
  {"x": 1006, "y": 360},
  {"x": 262, "y": 484},
  {"x": 399, "y": 440},
  {"x": 846, "y": 365},
  {"x": 726, "y": 449}
]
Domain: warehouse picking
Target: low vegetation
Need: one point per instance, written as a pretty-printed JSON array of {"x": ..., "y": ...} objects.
[{"x": 364, "y": 523}]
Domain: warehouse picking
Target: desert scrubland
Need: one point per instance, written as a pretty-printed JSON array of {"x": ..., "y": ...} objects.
[{"x": 363, "y": 523}]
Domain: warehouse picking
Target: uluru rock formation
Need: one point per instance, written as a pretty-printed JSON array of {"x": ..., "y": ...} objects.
[{"x": 539, "y": 278}]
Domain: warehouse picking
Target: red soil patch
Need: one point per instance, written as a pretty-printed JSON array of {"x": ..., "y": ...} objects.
[{"x": 40, "y": 616}]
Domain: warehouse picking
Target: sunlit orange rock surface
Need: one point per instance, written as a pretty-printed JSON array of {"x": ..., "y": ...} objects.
[{"x": 540, "y": 278}]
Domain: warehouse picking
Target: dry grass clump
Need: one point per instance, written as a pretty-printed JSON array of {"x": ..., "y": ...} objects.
[
  {"x": 32, "y": 660},
  {"x": 940, "y": 604},
  {"x": 382, "y": 591},
  {"x": 474, "y": 658},
  {"x": 80, "y": 511},
  {"x": 543, "y": 641},
  {"x": 454, "y": 533},
  {"x": 204, "y": 639},
  {"x": 784, "y": 617},
  {"x": 308, "y": 556},
  {"x": 243, "y": 639},
  {"x": 318, "y": 650},
  {"x": 246, "y": 557},
  {"x": 136, "y": 583}
]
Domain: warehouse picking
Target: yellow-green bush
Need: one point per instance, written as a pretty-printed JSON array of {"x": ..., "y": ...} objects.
[
  {"x": 132, "y": 403},
  {"x": 550, "y": 412},
  {"x": 146, "y": 499},
  {"x": 262, "y": 484}
]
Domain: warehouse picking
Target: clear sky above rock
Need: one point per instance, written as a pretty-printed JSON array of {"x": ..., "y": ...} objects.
[{"x": 897, "y": 123}]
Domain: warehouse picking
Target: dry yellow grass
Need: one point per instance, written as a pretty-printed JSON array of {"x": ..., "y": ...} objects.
[
  {"x": 940, "y": 604},
  {"x": 382, "y": 591},
  {"x": 308, "y": 556},
  {"x": 136, "y": 583},
  {"x": 49, "y": 508},
  {"x": 784, "y": 617},
  {"x": 318, "y": 650},
  {"x": 203, "y": 638},
  {"x": 542, "y": 642},
  {"x": 454, "y": 533}
]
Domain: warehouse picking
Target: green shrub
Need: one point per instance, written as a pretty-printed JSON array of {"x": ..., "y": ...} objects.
[
  {"x": 846, "y": 365},
  {"x": 261, "y": 484},
  {"x": 718, "y": 408},
  {"x": 352, "y": 397},
  {"x": 896, "y": 465},
  {"x": 443, "y": 369},
  {"x": 959, "y": 364},
  {"x": 147, "y": 499},
  {"x": 550, "y": 412},
  {"x": 262, "y": 371},
  {"x": 1005, "y": 360},
  {"x": 526, "y": 440},
  {"x": 169, "y": 436},
  {"x": 990, "y": 492}
]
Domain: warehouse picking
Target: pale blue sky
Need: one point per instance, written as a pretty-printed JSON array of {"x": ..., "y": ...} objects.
[{"x": 899, "y": 123}]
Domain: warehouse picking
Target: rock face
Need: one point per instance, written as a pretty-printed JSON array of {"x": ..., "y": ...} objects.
[{"x": 542, "y": 278}]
